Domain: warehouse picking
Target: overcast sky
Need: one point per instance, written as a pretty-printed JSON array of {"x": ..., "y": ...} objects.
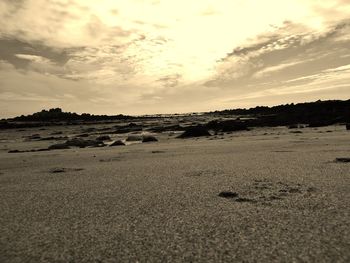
[{"x": 142, "y": 57}]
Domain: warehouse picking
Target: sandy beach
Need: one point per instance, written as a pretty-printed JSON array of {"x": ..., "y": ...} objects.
[{"x": 160, "y": 201}]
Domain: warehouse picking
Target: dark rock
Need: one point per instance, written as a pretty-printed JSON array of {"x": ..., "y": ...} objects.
[
  {"x": 149, "y": 138},
  {"x": 227, "y": 126},
  {"x": 14, "y": 151},
  {"x": 103, "y": 138},
  {"x": 57, "y": 170},
  {"x": 342, "y": 160},
  {"x": 347, "y": 126},
  {"x": 58, "y": 146},
  {"x": 167, "y": 128},
  {"x": 228, "y": 194},
  {"x": 133, "y": 138},
  {"x": 83, "y": 143},
  {"x": 117, "y": 143},
  {"x": 195, "y": 131},
  {"x": 132, "y": 127}
]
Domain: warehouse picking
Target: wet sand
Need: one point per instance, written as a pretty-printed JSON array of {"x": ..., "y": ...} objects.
[{"x": 160, "y": 202}]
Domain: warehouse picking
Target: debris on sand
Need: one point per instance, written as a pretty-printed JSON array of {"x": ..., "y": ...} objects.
[
  {"x": 195, "y": 131},
  {"x": 342, "y": 160},
  {"x": 103, "y": 138},
  {"x": 117, "y": 143},
  {"x": 63, "y": 170},
  {"x": 228, "y": 194},
  {"x": 149, "y": 138},
  {"x": 57, "y": 170}
]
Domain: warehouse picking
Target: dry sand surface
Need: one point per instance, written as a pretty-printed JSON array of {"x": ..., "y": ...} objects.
[{"x": 288, "y": 199}]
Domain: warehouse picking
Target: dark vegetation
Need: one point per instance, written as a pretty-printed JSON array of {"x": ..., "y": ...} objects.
[
  {"x": 311, "y": 114},
  {"x": 56, "y": 114},
  {"x": 315, "y": 114}
]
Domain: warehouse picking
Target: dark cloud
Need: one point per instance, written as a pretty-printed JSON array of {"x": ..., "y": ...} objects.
[{"x": 10, "y": 47}]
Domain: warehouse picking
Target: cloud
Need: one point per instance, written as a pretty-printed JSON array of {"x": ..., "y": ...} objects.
[
  {"x": 169, "y": 55},
  {"x": 277, "y": 57},
  {"x": 275, "y": 69}
]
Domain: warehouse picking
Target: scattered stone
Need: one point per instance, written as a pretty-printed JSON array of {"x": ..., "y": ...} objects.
[
  {"x": 227, "y": 125},
  {"x": 149, "y": 138},
  {"x": 117, "y": 143},
  {"x": 103, "y": 138},
  {"x": 342, "y": 160},
  {"x": 57, "y": 170},
  {"x": 132, "y": 127},
  {"x": 195, "y": 131},
  {"x": 228, "y": 194},
  {"x": 63, "y": 170},
  {"x": 158, "y": 152}
]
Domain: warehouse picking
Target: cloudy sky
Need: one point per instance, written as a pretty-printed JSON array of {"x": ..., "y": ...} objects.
[{"x": 149, "y": 56}]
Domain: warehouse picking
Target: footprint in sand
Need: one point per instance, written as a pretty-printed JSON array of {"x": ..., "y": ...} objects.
[{"x": 265, "y": 192}]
